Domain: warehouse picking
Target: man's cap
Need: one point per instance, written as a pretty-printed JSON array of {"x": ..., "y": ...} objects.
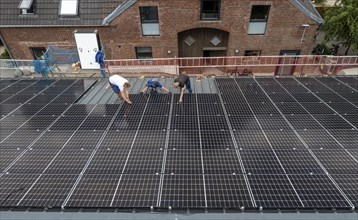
[{"x": 116, "y": 89}]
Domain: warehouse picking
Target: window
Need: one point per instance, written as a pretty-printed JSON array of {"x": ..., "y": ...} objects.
[
  {"x": 252, "y": 52},
  {"x": 27, "y": 7},
  {"x": 144, "y": 53},
  {"x": 210, "y": 10},
  {"x": 149, "y": 20},
  {"x": 69, "y": 8},
  {"x": 258, "y": 19},
  {"x": 38, "y": 52}
]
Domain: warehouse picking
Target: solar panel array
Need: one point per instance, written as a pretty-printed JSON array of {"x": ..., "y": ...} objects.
[{"x": 270, "y": 143}]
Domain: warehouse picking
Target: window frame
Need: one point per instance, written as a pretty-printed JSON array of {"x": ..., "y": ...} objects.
[
  {"x": 210, "y": 19},
  {"x": 251, "y": 53},
  {"x": 34, "y": 52},
  {"x": 29, "y": 10},
  {"x": 71, "y": 15},
  {"x": 253, "y": 20},
  {"x": 144, "y": 21},
  {"x": 143, "y": 58}
]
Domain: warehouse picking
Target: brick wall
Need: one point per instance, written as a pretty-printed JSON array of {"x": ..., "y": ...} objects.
[{"x": 283, "y": 31}]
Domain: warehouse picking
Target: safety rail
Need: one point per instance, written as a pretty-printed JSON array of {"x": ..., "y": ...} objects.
[{"x": 280, "y": 65}]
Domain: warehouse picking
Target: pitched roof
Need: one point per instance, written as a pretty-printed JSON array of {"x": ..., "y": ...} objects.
[
  {"x": 91, "y": 13},
  {"x": 307, "y": 8}
]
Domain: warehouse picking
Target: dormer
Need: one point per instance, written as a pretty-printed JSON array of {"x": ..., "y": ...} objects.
[{"x": 27, "y": 7}]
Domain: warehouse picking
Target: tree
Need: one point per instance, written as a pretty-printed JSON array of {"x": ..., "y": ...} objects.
[{"x": 341, "y": 23}]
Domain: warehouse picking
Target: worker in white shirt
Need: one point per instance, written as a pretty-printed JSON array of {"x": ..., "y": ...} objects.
[{"x": 119, "y": 84}]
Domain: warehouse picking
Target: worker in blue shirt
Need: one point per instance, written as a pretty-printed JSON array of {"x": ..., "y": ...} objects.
[{"x": 153, "y": 86}]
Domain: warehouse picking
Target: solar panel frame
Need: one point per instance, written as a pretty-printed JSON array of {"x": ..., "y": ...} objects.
[
  {"x": 183, "y": 162},
  {"x": 144, "y": 162},
  {"x": 349, "y": 185},
  {"x": 273, "y": 191},
  {"x": 14, "y": 186},
  {"x": 183, "y": 191},
  {"x": 137, "y": 191},
  {"x": 260, "y": 161},
  {"x": 49, "y": 189},
  {"x": 227, "y": 191},
  {"x": 318, "y": 191},
  {"x": 94, "y": 190},
  {"x": 221, "y": 162}
]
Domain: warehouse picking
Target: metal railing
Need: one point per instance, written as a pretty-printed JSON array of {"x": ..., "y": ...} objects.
[{"x": 280, "y": 65}]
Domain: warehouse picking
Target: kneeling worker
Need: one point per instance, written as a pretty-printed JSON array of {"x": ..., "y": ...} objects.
[
  {"x": 154, "y": 86},
  {"x": 182, "y": 81},
  {"x": 118, "y": 85}
]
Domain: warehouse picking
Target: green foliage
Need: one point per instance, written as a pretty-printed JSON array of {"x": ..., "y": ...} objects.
[
  {"x": 322, "y": 49},
  {"x": 320, "y": 2},
  {"x": 5, "y": 55},
  {"x": 341, "y": 23}
]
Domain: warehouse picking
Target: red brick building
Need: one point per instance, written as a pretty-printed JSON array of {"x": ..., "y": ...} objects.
[{"x": 130, "y": 29}]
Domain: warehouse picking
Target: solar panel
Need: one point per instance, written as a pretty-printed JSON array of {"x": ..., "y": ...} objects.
[
  {"x": 233, "y": 149},
  {"x": 8, "y": 156},
  {"x": 96, "y": 123},
  {"x": 337, "y": 161},
  {"x": 284, "y": 140},
  {"x": 184, "y": 109},
  {"x": 216, "y": 140},
  {"x": 349, "y": 185},
  {"x": 53, "y": 109},
  {"x": 251, "y": 140},
  {"x": 49, "y": 189},
  {"x": 221, "y": 162},
  {"x": 317, "y": 191},
  {"x": 154, "y": 122},
  {"x": 343, "y": 108},
  {"x": 260, "y": 161},
  {"x": 137, "y": 191},
  {"x": 210, "y": 109},
  {"x": 348, "y": 138},
  {"x": 183, "y": 191},
  {"x": 126, "y": 122},
  {"x": 227, "y": 191},
  {"x": 323, "y": 142},
  {"x": 273, "y": 122},
  {"x": 298, "y": 162},
  {"x": 118, "y": 140},
  {"x": 84, "y": 140},
  {"x": 38, "y": 158},
  {"x": 107, "y": 161},
  {"x": 303, "y": 122},
  {"x": 14, "y": 186},
  {"x": 94, "y": 191},
  {"x": 157, "y": 109},
  {"x": 238, "y": 109},
  {"x": 144, "y": 162},
  {"x": 184, "y": 140},
  {"x": 52, "y": 140},
  {"x": 69, "y": 161},
  {"x": 273, "y": 190},
  {"x": 243, "y": 122},
  {"x": 184, "y": 123},
  {"x": 333, "y": 122},
  {"x": 183, "y": 162}
]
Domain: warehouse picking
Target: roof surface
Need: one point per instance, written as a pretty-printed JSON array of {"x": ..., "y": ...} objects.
[
  {"x": 91, "y": 13},
  {"x": 306, "y": 7},
  {"x": 100, "y": 93}
]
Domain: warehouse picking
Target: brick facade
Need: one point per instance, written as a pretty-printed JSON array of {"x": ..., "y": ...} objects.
[{"x": 283, "y": 30}]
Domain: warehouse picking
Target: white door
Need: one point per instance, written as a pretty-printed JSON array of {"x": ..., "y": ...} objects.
[{"x": 87, "y": 46}]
